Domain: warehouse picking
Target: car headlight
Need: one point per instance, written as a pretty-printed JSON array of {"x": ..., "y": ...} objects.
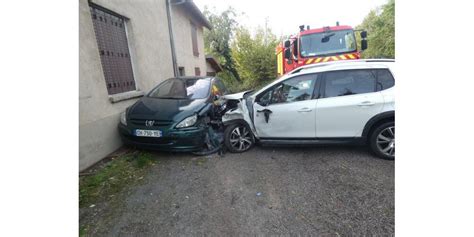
[
  {"x": 187, "y": 122},
  {"x": 123, "y": 118}
]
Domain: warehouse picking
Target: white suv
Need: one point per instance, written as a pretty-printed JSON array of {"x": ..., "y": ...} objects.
[{"x": 345, "y": 102}]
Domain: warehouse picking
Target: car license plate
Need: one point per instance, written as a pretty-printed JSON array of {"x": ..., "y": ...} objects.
[{"x": 148, "y": 133}]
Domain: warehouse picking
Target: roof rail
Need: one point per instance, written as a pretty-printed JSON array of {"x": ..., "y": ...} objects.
[
  {"x": 379, "y": 60},
  {"x": 370, "y": 60}
]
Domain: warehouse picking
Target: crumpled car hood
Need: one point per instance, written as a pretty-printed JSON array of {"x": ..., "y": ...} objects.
[{"x": 165, "y": 109}]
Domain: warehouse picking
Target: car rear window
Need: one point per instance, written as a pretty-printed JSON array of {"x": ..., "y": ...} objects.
[
  {"x": 182, "y": 89},
  {"x": 384, "y": 79},
  {"x": 349, "y": 82}
]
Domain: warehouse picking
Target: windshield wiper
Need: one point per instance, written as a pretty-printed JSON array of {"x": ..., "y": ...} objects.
[{"x": 326, "y": 37}]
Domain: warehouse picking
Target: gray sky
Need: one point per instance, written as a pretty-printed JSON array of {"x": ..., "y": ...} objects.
[{"x": 284, "y": 17}]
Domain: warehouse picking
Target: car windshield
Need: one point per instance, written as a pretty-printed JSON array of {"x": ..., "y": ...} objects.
[
  {"x": 182, "y": 89},
  {"x": 327, "y": 43}
]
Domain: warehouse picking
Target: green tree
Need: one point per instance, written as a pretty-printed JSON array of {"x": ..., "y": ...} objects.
[
  {"x": 255, "y": 56},
  {"x": 216, "y": 41},
  {"x": 380, "y": 26}
]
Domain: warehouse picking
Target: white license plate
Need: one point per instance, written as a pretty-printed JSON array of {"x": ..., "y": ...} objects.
[{"x": 148, "y": 133}]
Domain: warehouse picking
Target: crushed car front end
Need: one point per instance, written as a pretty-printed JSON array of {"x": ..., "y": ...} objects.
[
  {"x": 172, "y": 117},
  {"x": 239, "y": 110},
  {"x": 170, "y": 138}
]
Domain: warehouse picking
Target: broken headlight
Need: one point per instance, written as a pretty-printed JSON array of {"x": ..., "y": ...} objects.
[{"x": 187, "y": 122}]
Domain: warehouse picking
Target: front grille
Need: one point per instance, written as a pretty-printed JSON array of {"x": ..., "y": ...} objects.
[{"x": 157, "y": 123}]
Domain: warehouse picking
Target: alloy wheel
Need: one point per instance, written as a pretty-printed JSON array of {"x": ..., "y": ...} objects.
[
  {"x": 386, "y": 141},
  {"x": 241, "y": 138}
]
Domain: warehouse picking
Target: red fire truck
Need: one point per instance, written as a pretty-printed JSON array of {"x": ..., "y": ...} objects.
[{"x": 318, "y": 45}]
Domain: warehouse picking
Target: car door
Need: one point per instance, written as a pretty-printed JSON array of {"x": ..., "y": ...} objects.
[
  {"x": 349, "y": 100},
  {"x": 287, "y": 110}
]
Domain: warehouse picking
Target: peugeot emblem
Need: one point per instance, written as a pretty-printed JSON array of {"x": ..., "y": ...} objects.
[{"x": 149, "y": 123}]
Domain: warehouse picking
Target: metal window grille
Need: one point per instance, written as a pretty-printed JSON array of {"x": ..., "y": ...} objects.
[{"x": 112, "y": 40}]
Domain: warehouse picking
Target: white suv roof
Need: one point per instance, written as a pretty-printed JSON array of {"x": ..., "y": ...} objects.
[
  {"x": 344, "y": 64},
  {"x": 335, "y": 65}
]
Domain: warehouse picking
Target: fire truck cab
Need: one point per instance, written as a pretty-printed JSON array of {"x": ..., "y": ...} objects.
[{"x": 318, "y": 45}]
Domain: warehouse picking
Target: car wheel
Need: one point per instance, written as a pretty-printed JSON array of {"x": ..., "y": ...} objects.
[
  {"x": 382, "y": 141},
  {"x": 238, "y": 138}
]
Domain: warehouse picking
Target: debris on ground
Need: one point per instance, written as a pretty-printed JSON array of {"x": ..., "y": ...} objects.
[{"x": 213, "y": 142}]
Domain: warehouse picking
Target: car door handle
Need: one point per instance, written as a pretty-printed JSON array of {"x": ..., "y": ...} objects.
[
  {"x": 305, "y": 109},
  {"x": 366, "y": 103}
]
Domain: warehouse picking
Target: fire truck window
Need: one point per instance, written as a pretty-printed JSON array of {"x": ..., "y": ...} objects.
[
  {"x": 327, "y": 43},
  {"x": 349, "y": 82},
  {"x": 350, "y": 41},
  {"x": 295, "y": 48}
]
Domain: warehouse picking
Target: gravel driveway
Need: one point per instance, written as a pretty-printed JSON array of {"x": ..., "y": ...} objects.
[{"x": 327, "y": 191}]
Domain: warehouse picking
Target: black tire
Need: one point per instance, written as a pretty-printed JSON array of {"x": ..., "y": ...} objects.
[
  {"x": 378, "y": 142},
  {"x": 229, "y": 135}
]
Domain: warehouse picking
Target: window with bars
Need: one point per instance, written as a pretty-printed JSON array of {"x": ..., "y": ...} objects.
[
  {"x": 111, "y": 36},
  {"x": 194, "y": 39}
]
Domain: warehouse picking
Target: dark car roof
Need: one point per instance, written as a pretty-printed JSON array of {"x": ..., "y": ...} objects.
[{"x": 191, "y": 77}]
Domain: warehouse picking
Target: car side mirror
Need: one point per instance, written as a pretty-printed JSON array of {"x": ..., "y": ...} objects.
[
  {"x": 363, "y": 34},
  {"x": 363, "y": 44}
]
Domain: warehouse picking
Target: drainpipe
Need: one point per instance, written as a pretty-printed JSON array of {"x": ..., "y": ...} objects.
[{"x": 170, "y": 28}]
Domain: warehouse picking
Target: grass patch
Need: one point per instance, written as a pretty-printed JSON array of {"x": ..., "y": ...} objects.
[
  {"x": 112, "y": 177},
  {"x": 82, "y": 231}
]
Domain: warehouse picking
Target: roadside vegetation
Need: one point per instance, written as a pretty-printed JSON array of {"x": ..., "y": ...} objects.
[
  {"x": 248, "y": 57},
  {"x": 105, "y": 180},
  {"x": 380, "y": 26}
]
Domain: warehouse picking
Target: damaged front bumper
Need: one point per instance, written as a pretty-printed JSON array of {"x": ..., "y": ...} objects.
[
  {"x": 183, "y": 140},
  {"x": 241, "y": 112}
]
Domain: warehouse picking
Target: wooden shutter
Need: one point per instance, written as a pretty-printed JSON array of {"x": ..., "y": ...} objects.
[{"x": 112, "y": 40}]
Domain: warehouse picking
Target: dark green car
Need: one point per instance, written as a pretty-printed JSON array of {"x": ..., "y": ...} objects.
[{"x": 174, "y": 116}]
